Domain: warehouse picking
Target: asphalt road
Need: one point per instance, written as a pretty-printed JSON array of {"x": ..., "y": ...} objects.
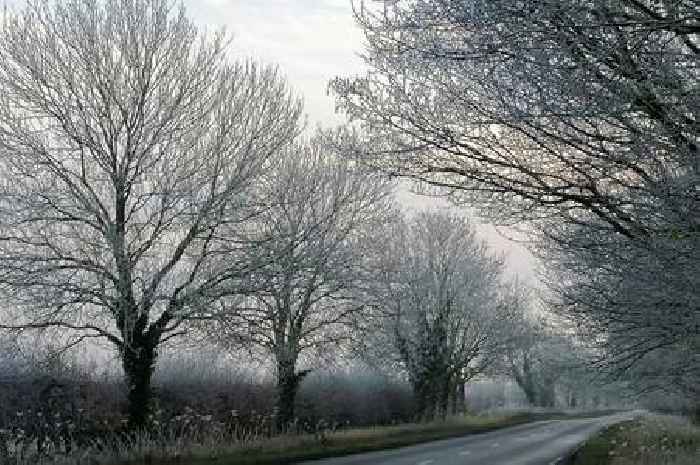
[{"x": 539, "y": 443}]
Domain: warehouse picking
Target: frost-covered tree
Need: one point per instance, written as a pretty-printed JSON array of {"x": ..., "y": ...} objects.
[
  {"x": 550, "y": 364},
  {"x": 130, "y": 149},
  {"x": 634, "y": 301},
  {"x": 438, "y": 309},
  {"x": 578, "y": 118},
  {"x": 541, "y": 360},
  {"x": 522, "y": 357},
  {"x": 316, "y": 237},
  {"x": 579, "y": 110}
]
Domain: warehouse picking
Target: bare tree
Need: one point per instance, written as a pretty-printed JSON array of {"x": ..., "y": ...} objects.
[
  {"x": 439, "y": 312},
  {"x": 537, "y": 359},
  {"x": 578, "y": 118},
  {"x": 130, "y": 152},
  {"x": 325, "y": 209},
  {"x": 579, "y": 111},
  {"x": 634, "y": 301}
]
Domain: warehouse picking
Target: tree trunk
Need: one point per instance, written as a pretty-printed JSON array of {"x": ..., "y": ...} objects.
[
  {"x": 139, "y": 361},
  {"x": 288, "y": 381},
  {"x": 525, "y": 379},
  {"x": 444, "y": 388},
  {"x": 573, "y": 401},
  {"x": 430, "y": 405},
  {"x": 547, "y": 393},
  {"x": 422, "y": 397},
  {"x": 695, "y": 416},
  {"x": 528, "y": 387},
  {"x": 286, "y": 396},
  {"x": 461, "y": 396},
  {"x": 453, "y": 399}
]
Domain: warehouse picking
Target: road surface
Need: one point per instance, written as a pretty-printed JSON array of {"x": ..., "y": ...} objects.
[{"x": 538, "y": 443}]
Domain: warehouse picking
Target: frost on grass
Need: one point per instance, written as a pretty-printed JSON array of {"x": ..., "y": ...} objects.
[{"x": 658, "y": 440}]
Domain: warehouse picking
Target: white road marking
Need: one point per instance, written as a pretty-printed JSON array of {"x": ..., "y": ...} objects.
[
  {"x": 465, "y": 452},
  {"x": 426, "y": 462},
  {"x": 495, "y": 444},
  {"x": 555, "y": 461}
]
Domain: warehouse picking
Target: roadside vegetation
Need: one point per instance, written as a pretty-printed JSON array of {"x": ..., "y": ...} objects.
[
  {"x": 201, "y": 440},
  {"x": 329, "y": 442},
  {"x": 62, "y": 412},
  {"x": 649, "y": 440}
]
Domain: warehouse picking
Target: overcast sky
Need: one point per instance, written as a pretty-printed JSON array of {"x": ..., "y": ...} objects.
[
  {"x": 311, "y": 40},
  {"x": 314, "y": 41}
]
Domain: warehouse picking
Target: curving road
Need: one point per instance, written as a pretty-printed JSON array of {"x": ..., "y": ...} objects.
[{"x": 538, "y": 443}]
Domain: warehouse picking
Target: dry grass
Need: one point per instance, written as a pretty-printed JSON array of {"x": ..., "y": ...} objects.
[
  {"x": 200, "y": 440},
  {"x": 658, "y": 440},
  {"x": 650, "y": 440},
  {"x": 167, "y": 447},
  {"x": 329, "y": 443}
]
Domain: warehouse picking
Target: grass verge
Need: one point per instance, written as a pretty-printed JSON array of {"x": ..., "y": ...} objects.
[
  {"x": 292, "y": 449},
  {"x": 649, "y": 440}
]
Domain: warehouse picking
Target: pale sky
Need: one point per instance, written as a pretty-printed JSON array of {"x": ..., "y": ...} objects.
[{"x": 311, "y": 40}]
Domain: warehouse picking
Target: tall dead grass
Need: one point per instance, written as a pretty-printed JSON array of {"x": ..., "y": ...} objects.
[{"x": 657, "y": 440}]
